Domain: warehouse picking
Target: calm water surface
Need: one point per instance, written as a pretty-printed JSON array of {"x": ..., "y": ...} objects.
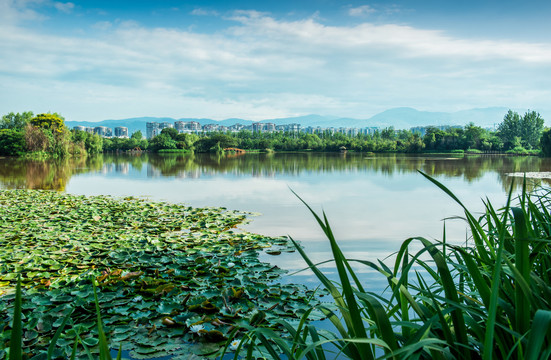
[{"x": 373, "y": 202}]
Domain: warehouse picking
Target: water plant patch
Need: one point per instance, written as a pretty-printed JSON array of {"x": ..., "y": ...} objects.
[{"x": 172, "y": 279}]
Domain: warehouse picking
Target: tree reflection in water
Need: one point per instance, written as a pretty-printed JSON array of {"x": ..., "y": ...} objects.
[{"x": 54, "y": 174}]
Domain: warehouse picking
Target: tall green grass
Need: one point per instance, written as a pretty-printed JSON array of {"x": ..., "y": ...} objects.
[{"x": 489, "y": 299}]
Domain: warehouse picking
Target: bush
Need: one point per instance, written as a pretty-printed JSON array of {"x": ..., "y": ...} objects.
[
  {"x": 518, "y": 150},
  {"x": 12, "y": 142}
]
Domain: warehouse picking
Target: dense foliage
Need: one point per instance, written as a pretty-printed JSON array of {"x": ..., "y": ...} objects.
[
  {"x": 515, "y": 134},
  {"x": 46, "y": 133}
]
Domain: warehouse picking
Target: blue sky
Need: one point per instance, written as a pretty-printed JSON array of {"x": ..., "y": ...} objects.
[{"x": 96, "y": 60}]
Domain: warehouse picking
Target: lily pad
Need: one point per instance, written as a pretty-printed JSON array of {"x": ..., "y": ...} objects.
[{"x": 151, "y": 261}]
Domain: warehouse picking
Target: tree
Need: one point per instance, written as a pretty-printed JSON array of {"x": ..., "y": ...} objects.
[
  {"x": 16, "y": 121},
  {"x": 433, "y": 138},
  {"x": 509, "y": 128},
  {"x": 528, "y": 129},
  {"x": 388, "y": 133},
  {"x": 531, "y": 129},
  {"x": 137, "y": 135},
  {"x": 207, "y": 143},
  {"x": 546, "y": 142},
  {"x": 162, "y": 141},
  {"x": 53, "y": 122},
  {"x": 38, "y": 139},
  {"x": 93, "y": 143},
  {"x": 172, "y": 132},
  {"x": 186, "y": 141},
  {"x": 12, "y": 142},
  {"x": 474, "y": 136}
]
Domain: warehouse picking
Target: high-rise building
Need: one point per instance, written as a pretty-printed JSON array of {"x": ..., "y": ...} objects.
[
  {"x": 121, "y": 131},
  {"x": 103, "y": 131},
  {"x": 152, "y": 130}
]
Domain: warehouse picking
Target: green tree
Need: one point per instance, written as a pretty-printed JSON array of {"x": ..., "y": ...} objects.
[
  {"x": 474, "y": 136},
  {"x": 528, "y": 129},
  {"x": 162, "y": 141},
  {"x": 137, "y": 135},
  {"x": 16, "y": 121},
  {"x": 12, "y": 142},
  {"x": 433, "y": 138},
  {"x": 172, "y": 132},
  {"x": 509, "y": 128},
  {"x": 186, "y": 141},
  {"x": 531, "y": 129},
  {"x": 93, "y": 143},
  {"x": 546, "y": 142},
  {"x": 207, "y": 143}
]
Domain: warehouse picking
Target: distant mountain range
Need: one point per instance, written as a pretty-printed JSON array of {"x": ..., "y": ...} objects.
[{"x": 399, "y": 118}]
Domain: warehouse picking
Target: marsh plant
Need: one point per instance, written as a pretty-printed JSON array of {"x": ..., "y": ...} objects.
[
  {"x": 15, "y": 351},
  {"x": 489, "y": 299},
  {"x": 171, "y": 280}
]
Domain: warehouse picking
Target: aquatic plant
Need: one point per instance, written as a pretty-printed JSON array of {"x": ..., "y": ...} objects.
[
  {"x": 15, "y": 345},
  {"x": 161, "y": 270},
  {"x": 489, "y": 299}
]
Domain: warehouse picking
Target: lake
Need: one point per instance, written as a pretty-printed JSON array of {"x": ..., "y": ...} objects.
[{"x": 373, "y": 202}]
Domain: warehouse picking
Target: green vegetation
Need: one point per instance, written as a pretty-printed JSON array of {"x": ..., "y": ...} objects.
[
  {"x": 16, "y": 339},
  {"x": 171, "y": 279},
  {"x": 46, "y": 134},
  {"x": 516, "y": 135},
  {"x": 489, "y": 299}
]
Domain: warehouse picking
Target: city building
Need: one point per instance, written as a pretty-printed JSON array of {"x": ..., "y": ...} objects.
[
  {"x": 187, "y": 126},
  {"x": 89, "y": 130},
  {"x": 210, "y": 127},
  {"x": 152, "y": 130},
  {"x": 121, "y": 131},
  {"x": 103, "y": 131},
  {"x": 264, "y": 127},
  {"x": 236, "y": 127}
]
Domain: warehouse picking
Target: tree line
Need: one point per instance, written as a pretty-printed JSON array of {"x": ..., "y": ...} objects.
[{"x": 47, "y": 134}]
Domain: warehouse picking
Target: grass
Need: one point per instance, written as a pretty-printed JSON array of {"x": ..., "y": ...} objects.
[{"x": 490, "y": 299}]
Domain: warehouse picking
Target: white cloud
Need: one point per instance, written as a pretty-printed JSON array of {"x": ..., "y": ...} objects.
[
  {"x": 64, "y": 7},
  {"x": 263, "y": 67},
  {"x": 363, "y": 10},
  {"x": 13, "y": 11},
  {"x": 204, "y": 12}
]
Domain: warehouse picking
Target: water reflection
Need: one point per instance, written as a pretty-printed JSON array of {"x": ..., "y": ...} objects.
[
  {"x": 54, "y": 174},
  {"x": 372, "y": 202}
]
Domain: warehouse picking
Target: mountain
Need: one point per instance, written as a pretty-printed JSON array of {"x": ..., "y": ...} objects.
[{"x": 399, "y": 118}]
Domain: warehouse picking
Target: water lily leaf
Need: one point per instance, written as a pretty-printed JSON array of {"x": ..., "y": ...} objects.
[{"x": 151, "y": 261}]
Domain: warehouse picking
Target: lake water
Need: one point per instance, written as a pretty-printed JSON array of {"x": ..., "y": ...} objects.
[{"x": 373, "y": 202}]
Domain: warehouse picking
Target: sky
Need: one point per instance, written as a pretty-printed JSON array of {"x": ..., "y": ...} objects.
[{"x": 98, "y": 60}]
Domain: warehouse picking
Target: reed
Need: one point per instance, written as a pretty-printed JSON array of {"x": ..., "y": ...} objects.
[{"x": 489, "y": 299}]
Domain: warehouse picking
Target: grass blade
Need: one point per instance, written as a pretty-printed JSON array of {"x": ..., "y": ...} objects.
[
  {"x": 541, "y": 329},
  {"x": 16, "y": 344},
  {"x": 57, "y": 334}
]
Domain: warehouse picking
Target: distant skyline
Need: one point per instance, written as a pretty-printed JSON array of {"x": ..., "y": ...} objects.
[{"x": 97, "y": 60}]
